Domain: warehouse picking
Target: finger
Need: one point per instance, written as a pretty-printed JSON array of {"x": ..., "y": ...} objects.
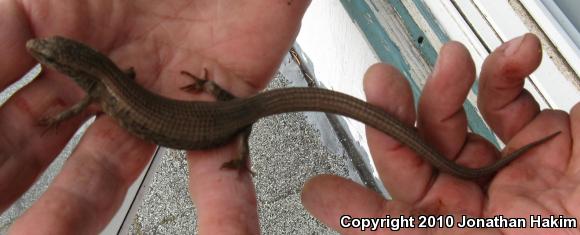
[
  {"x": 403, "y": 173},
  {"x": 92, "y": 184},
  {"x": 504, "y": 104},
  {"x": 14, "y": 31},
  {"x": 574, "y": 164},
  {"x": 24, "y": 151},
  {"x": 225, "y": 198},
  {"x": 442, "y": 120},
  {"x": 329, "y": 197}
]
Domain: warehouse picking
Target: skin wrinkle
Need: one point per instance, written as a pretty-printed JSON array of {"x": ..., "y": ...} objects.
[
  {"x": 175, "y": 15},
  {"x": 564, "y": 207},
  {"x": 537, "y": 202},
  {"x": 141, "y": 35},
  {"x": 557, "y": 200},
  {"x": 5, "y": 160},
  {"x": 130, "y": 18},
  {"x": 33, "y": 161},
  {"x": 509, "y": 131},
  {"x": 4, "y": 157},
  {"x": 152, "y": 30},
  {"x": 30, "y": 10},
  {"x": 87, "y": 210},
  {"x": 453, "y": 201},
  {"x": 120, "y": 165},
  {"x": 569, "y": 198},
  {"x": 510, "y": 101},
  {"x": 569, "y": 161},
  {"x": 161, "y": 61},
  {"x": 93, "y": 205},
  {"x": 430, "y": 184},
  {"x": 456, "y": 156},
  {"x": 214, "y": 47},
  {"x": 100, "y": 157},
  {"x": 449, "y": 150},
  {"x": 191, "y": 17},
  {"x": 452, "y": 115},
  {"x": 419, "y": 162},
  {"x": 12, "y": 144},
  {"x": 79, "y": 196},
  {"x": 500, "y": 90},
  {"x": 29, "y": 161},
  {"x": 510, "y": 69},
  {"x": 26, "y": 18},
  {"x": 62, "y": 211},
  {"x": 575, "y": 146}
]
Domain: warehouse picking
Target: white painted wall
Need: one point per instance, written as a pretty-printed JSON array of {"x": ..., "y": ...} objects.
[{"x": 338, "y": 53}]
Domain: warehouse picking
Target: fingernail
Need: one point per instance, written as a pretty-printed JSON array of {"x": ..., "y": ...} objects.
[{"x": 513, "y": 45}]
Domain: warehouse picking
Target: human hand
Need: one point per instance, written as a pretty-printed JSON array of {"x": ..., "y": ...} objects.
[
  {"x": 239, "y": 43},
  {"x": 544, "y": 181}
]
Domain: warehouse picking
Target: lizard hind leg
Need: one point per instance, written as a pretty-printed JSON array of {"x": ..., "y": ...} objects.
[
  {"x": 202, "y": 84},
  {"x": 242, "y": 163}
]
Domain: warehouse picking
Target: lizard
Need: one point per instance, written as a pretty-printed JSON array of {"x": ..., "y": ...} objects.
[{"x": 196, "y": 125}]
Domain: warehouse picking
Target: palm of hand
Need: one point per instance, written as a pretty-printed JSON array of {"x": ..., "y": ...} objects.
[{"x": 173, "y": 36}]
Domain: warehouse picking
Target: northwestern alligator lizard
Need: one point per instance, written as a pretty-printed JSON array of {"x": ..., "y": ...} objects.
[{"x": 201, "y": 125}]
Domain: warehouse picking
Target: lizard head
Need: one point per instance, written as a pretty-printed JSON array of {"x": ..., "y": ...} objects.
[
  {"x": 70, "y": 57},
  {"x": 58, "y": 53}
]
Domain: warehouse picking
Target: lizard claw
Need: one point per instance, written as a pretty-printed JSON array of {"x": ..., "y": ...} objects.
[
  {"x": 198, "y": 84},
  {"x": 48, "y": 124},
  {"x": 203, "y": 84},
  {"x": 130, "y": 73}
]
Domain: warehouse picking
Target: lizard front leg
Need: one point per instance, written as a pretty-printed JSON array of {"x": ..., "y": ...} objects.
[{"x": 52, "y": 122}]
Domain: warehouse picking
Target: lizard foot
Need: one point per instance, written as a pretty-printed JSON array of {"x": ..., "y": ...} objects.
[
  {"x": 198, "y": 84},
  {"x": 49, "y": 123},
  {"x": 205, "y": 85}
]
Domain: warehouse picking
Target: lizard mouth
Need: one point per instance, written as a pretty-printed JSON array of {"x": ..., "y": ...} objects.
[{"x": 39, "y": 50}]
